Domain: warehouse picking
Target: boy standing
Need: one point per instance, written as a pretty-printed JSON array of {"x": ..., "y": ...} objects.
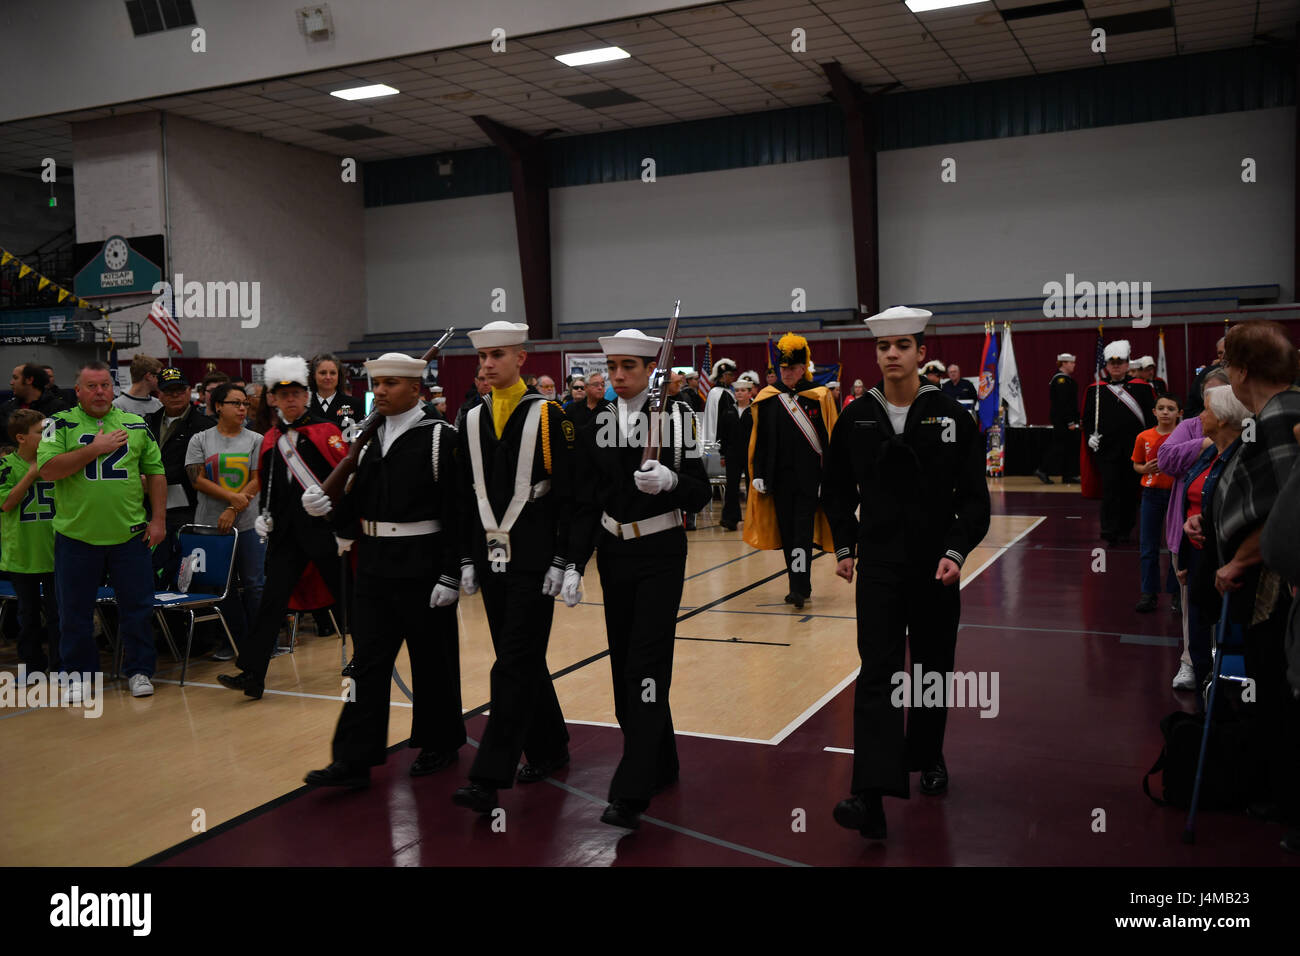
[
  {"x": 1155, "y": 502},
  {"x": 27, "y": 530}
]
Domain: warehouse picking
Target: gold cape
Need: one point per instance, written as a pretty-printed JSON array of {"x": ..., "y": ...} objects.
[{"x": 761, "y": 529}]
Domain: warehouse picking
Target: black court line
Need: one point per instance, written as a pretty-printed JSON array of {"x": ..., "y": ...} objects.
[{"x": 731, "y": 640}]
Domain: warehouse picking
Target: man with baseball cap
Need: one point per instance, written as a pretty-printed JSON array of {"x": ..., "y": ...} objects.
[
  {"x": 298, "y": 452},
  {"x": 906, "y": 496},
  {"x": 516, "y": 460},
  {"x": 399, "y": 513},
  {"x": 631, "y": 514}
]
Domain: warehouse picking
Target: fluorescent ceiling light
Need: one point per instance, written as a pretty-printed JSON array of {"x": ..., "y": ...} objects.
[
  {"x": 587, "y": 57},
  {"x": 364, "y": 92},
  {"x": 925, "y": 6}
]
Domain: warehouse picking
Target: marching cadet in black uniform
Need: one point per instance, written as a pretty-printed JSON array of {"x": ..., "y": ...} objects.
[
  {"x": 516, "y": 450},
  {"x": 400, "y": 511},
  {"x": 1063, "y": 453},
  {"x": 721, "y": 420},
  {"x": 633, "y": 516},
  {"x": 1127, "y": 408},
  {"x": 912, "y": 460},
  {"x": 792, "y": 421},
  {"x": 298, "y": 451}
]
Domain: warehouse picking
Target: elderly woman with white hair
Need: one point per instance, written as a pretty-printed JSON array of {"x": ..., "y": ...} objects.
[{"x": 1221, "y": 423}]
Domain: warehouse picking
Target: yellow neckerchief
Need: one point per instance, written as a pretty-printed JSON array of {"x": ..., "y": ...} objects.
[{"x": 504, "y": 401}]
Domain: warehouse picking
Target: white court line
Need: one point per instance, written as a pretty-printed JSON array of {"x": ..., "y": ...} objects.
[
  {"x": 282, "y": 693},
  {"x": 836, "y": 750}
]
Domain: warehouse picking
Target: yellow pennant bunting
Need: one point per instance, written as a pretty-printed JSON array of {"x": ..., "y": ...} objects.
[
  {"x": 23, "y": 270},
  {"x": 4, "y": 258},
  {"x": 63, "y": 294},
  {"x": 42, "y": 284}
]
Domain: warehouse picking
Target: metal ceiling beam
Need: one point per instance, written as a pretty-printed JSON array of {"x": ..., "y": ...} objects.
[
  {"x": 860, "y": 132},
  {"x": 530, "y": 183}
]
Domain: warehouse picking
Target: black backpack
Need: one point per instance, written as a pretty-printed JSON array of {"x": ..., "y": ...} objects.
[{"x": 1230, "y": 770}]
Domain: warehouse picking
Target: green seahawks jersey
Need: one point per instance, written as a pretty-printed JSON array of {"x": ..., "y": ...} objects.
[
  {"x": 102, "y": 503},
  {"x": 27, "y": 531}
]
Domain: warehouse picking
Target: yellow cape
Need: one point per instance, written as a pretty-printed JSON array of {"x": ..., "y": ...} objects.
[{"x": 761, "y": 529}]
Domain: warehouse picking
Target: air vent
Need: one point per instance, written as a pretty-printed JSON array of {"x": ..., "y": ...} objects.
[
  {"x": 1161, "y": 18},
  {"x": 1042, "y": 9},
  {"x": 154, "y": 16},
  {"x": 354, "y": 132},
  {"x": 603, "y": 98}
]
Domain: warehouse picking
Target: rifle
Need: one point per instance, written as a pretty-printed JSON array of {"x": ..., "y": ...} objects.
[
  {"x": 335, "y": 484},
  {"x": 659, "y": 387}
]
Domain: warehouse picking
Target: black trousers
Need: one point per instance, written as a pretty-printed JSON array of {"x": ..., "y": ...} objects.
[
  {"x": 795, "y": 514},
  {"x": 1120, "y": 493},
  {"x": 731, "y": 497},
  {"x": 641, "y": 605},
  {"x": 36, "y": 593},
  {"x": 525, "y": 715},
  {"x": 288, "y": 552},
  {"x": 1062, "y": 456},
  {"x": 897, "y": 608},
  {"x": 386, "y": 612}
]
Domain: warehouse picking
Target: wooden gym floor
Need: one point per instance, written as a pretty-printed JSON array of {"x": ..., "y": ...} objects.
[{"x": 762, "y": 701}]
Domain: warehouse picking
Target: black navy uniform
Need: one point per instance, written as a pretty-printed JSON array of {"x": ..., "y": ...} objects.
[
  {"x": 923, "y": 497},
  {"x": 641, "y": 579},
  {"x": 339, "y": 407},
  {"x": 525, "y": 715},
  {"x": 791, "y": 470},
  {"x": 1119, "y": 426},
  {"x": 728, "y": 428},
  {"x": 1063, "y": 454},
  {"x": 416, "y": 480}
]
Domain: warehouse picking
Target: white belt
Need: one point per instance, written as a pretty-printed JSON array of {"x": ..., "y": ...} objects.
[
  {"x": 639, "y": 529},
  {"x": 539, "y": 490},
  {"x": 399, "y": 529}
]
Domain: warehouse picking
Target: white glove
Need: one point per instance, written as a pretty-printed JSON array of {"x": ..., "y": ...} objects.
[
  {"x": 262, "y": 527},
  {"x": 1094, "y": 442},
  {"x": 343, "y": 543},
  {"x": 468, "y": 579},
  {"x": 654, "y": 477},
  {"x": 572, "y": 590},
  {"x": 553, "y": 582},
  {"x": 316, "y": 503},
  {"x": 443, "y": 596},
  {"x": 760, "y": 486}
]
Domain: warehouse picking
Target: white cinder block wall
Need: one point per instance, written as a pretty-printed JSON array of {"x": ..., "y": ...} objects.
[{"x": 117, "y": 172}]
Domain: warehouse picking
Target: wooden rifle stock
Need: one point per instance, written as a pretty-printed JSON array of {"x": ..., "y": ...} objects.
[
  {"x": 659, "y": 388},
  {"x": 338, "y": 478}
]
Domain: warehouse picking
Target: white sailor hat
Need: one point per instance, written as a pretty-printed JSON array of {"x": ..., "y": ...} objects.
[
  {"x": 285, "y": 370},
  {"x": 1145, "y": 361},
  {"x": 898, "y": 320},
  {"x": 631, "y": 342},
  {"x": 395, "y": 364},
  {"x": 435, "y": 390},
  {"x": 1066, "y": 357},
  {"x": 499, "y": 333},
  {"x": 1119, "y": 349}
]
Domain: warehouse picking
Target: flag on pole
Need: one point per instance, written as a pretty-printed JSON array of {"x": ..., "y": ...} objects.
[
  {"x": 705, "y": 384},
  {"x": 1162, "y": 370},
  {"x": 160, "y": 317},
  {"x": 1009, "y": 377},
  {"x": 1089, "y": 476},
  {"x": 987, "y": 392}
]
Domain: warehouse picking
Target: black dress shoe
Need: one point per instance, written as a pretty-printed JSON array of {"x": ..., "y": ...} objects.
[
  {"x": 350, "y": 670},
  {"x": 727, "y": 526},
  {"x": 864, "y": 812},
  {"x": 798, "y": 600},
  {"x": 339, "y": 775},
  {"x": 431, "y": 761},
  {"x": 245, "y": 681},
  {"x": 537, "y": 772},
  {"x": 620, "y": 813},
  {"x": 1042, "y": 476},
  {"x": 476, "y": 797},
  {"x": 1146, "y": 604},
  {"x": 935, "y": 780}
]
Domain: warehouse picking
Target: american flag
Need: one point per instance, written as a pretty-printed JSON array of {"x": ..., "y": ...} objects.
[
  {"x": 706, "y": 384},
  {"x": 160, "y": 317}
]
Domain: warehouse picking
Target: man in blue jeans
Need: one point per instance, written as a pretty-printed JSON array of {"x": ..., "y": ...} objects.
[{"x": 100, "y": 458}]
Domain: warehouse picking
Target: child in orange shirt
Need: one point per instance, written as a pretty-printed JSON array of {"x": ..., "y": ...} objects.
[{"x": 1155, "y": 502}]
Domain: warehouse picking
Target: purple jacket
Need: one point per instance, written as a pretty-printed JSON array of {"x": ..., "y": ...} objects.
[{"x": 1176, "y": 454}]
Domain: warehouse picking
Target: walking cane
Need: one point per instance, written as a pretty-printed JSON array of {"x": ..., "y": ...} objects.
[
  {"x": 345, "y": 624},
  {"x": 1189, "y": 831}
]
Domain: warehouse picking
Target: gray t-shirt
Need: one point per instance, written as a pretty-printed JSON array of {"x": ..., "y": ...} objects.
[
  {"x": 139, "y": 406},
  {"x": 229, "y": 462}
]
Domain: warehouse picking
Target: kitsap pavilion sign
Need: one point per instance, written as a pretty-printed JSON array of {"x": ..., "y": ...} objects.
[{"x": 118, "y": 266}]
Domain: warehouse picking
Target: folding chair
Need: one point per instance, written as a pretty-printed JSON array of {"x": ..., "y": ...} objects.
[
  {"x": 7, "y": 594},
  {"x": 209, "y": 584},
  {"x": 1229, "y": 664}
]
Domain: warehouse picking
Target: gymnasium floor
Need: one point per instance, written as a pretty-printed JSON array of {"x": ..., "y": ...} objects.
[{"x": 762, "y": 700}]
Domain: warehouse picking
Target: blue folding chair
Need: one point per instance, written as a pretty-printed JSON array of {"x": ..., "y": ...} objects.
[
  {"x": 7, "y": 594},
  {"x": 208, "y": 586}
]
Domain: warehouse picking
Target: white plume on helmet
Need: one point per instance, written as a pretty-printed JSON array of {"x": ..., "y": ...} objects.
[{"x": 286, "y": 369}]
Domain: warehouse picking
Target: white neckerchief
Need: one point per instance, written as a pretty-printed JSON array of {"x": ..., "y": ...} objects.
[
  {"x": 397, "y": 425},
  {"x": 325, "y": 402},
  {"x": 625, "y": 406}
]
